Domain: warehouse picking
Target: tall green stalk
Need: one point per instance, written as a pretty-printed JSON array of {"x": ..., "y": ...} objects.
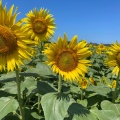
[
  {"x": 82, "y": 94},
  {"x": 41, "y": 49},
  {"x": 39, "y": 103},
  {"x": 59, "y": 83},
  {"x": 19, "y": 95},
  {"x": 115, "y": 91},
  {"x": 41, "y": 60}
]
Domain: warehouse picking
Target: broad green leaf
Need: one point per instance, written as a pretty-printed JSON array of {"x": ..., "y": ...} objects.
[
  {"x": 7, "y": 105},
  {"x": 41, "y": 70},
  {"x": 107, "y": 115},
  {"x": 44, "y": 87},
  {"x": 109, "y": 111},
  {"x": 74, "y": 89},
  {"x": 115, "y": 108},
  {"x": 90, "y": 116},
  {"x": 99, "y": 89},
  {"x": 44, "y": 69},
  {"x": 82, "y": 102},
  {"x": 11, "y": 87},
  {"x": 94, "y": 111},
  {"x": 55, "y": 107},
  {"x": 79, "y": 112},
  {"x": 30, "y": 83},
  {"x": 10, "y": 76},
  {"x": 36, "y": 116},
  {"x": 94, "y": 100},
  {"x": 104, "y": 114}
]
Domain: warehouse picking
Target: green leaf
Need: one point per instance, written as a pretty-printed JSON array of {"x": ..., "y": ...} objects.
[
  {"x": 44, "y": 68},
  {"x": 7, "y": 105},
  {"x": 100, "y": 89},
  {"x": 104, "y": 114},
  {"x": 44, "y": 88},
  {"x": 55, "y": 107},
  {"x": 40, "y": 70},
  {"x": 107, "y": 105},
  {"x": 90, "y": 116},
  {"x": 109, "y": 111},
  {"x": 74, "y": 89},
  {"x": 79, "y": 112},
  {"x": 82, "y": 102},
  {"x": 94, "y": 111},
  {"x": 11, "y": 87},
  {"x": 94, "y": 100},
  {"x": 30, "y": 83},
  {"x": 107, "y": 115},
  {"x": 10, "y": 76},
  {"x": 35, "y": 115}
]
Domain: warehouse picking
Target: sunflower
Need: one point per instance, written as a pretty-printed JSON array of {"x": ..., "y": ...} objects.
[
  {"x": 13, "y": 48},
  {"x": 114, "y": 84},
  {"x": 68, "y": 59},
  {"x": 101, "y": 48},
  {"x": 113, "y": 58},
  {"x": 83, "y": 83},
  {"x": 39, "y": 24},
  {"x": 92, "y": 81}
]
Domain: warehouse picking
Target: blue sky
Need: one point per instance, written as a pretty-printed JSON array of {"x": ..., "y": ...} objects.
[{"x": 97, "y": 21}]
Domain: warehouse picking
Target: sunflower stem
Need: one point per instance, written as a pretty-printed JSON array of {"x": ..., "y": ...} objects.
[
  {"x": 39, "y": 103},
  {"x": 115, "y": 91},
  {"x": 41, "y": 49},
  {"x": 41, "y": 60},
  {"x": 59, "y": 83},
  {"x": 16, "y": 114},
  {"x": 19, "y": 95},
  {"x": 81, "y": 94}
]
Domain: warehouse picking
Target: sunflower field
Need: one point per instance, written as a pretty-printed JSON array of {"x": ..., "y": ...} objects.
[{"x": 61, "y": 80}]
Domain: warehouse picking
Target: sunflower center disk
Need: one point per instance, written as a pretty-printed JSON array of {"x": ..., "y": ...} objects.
[
  {"x": 8, "y": 42},
  {"x": 39, "y": 26},
  {"x": 101, "y": 46},
  {"x": 118, "y": 58},
  {"x": 2, "y": 43},
  {"x": 67, "y": 61}
]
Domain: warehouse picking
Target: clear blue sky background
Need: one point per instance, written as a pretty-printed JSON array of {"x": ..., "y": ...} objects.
[{"x": 96, "y": 21}]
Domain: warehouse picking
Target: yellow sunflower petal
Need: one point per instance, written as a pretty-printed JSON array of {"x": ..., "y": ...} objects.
[
  {"x": 73, "y": 42},
  {"x": 13, "y": 41},
  {"x": 39, "y": 24},
  {"x": 113, "y": 58},
  {"x": 64, "y": 59}
]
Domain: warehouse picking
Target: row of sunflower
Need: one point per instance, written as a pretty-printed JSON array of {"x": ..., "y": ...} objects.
[{"x": 74, "y": 62}]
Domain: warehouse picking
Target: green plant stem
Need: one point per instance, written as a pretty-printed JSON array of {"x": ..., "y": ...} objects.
[
  {"x": 59, "y": 83},
  {"x": 41, "y": 60},
  {"x": 19, "y": 94},
  {"x": 81, "y": 94},
  {"x": 16, "y": 114},
  {"x": 34, "y": 105},
  {"x": 115, "y": 91},
  {"x": 39, "y": 103},
  {"x": 41, "y": 49}
]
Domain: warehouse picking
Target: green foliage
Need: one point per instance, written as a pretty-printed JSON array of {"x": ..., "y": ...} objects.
[
  {"x": 41, "y": 100},
  {"x": 55, "y": 106},
  {"x": 7, "y": 105},
  {"x": 109, "y": 111}
]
